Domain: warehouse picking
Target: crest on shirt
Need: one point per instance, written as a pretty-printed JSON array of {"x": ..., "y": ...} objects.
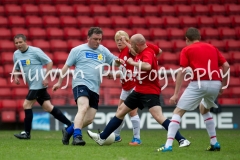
[
  {"x": 96, "y": 56},
  {"x": 25, "y": 62},
  {"x": 100, "y": 57}
]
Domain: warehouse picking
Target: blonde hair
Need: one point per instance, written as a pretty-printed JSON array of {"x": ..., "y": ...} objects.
[{"x": 121, "y": 33}]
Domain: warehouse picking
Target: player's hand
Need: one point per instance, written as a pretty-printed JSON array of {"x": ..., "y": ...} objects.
[
  {"x": 130, "y": 61},
  {"x": 173, "y": 100},
  {"x": 16, "y": 80},
  {"x": 123, "y": 38},
  {"x": 110, "y": 76},
  {"x": 56, "y": 86},
  {"x": 45, "y": 82},
  {"x": 119, "y": 61},
  {"x": 220, "y": 92},
  {"x": 133, "y": 53}
]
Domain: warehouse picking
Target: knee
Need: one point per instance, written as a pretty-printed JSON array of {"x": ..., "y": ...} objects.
[
  {"x": 26, "y": 105},
  {"x": 82, "y": 108},
  {"x": 120, "y": 113},
  {"x": 47, "y": 108},
  {"x": 89, "y": 121},
  {"x": 133, "y": 113}
]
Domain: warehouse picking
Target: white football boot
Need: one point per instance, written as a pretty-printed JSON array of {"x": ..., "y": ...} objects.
[
  {"x": 96, "y": 137},
  {"x": 184, "y": 143}
]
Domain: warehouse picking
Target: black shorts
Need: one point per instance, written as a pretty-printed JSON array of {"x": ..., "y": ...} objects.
[
  {"x": 40, "y": 95},
  {"x": 83, "y": 90},
  {"x": 139, "y": 100}
]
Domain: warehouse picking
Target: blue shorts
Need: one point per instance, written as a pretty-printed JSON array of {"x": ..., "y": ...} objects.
[{"x": 83, "y": 90}]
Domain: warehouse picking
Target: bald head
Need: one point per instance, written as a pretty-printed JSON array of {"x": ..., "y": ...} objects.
[
  {"x": 138, "y": 39},
  {"x": 138, "y": 42}
]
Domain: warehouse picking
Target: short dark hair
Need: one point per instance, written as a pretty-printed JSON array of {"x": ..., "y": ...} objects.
[
  {"x": 20, "y": 36},
  {"x": 95, "y": 30},
  {"x": 193, "y": 34}
]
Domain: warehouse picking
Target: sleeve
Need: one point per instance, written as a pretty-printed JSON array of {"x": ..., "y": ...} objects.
[
  {"x": 221, "y": 59},
  {"x": 148, "y": 57},
  {"x": 44, "y": 59},
  {"x": 71, "y": 60},
  {"x": 184, "y": 62},
  {"x": 17, "y": 67},
  {"x": 109, "y": 56},
  {"x": 154, "y": 47}
]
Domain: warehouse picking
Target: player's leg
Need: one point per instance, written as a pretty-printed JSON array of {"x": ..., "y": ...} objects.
[
  {"x": 83, "y": 106},
  {"x": 153, "y": 103},
  {"x": 56, "y": 112},
  {"x": 156, "y": 112},
  {"x": 115, "y": 122},
  {"x": 118, "y": 130},
  {"x": 136, "y": 127},
  {"x": 44, "y": 100},
  {"x": 173, "y": 128},
  {"x": 210, "y": 127},
  {"x": 206, "y": 104},
  {"x": 189, "y": 100},
  {"x": 84, "y": 99},
  {"x": 112, "y": 125},
  {"x": 124, "y": 94},
  {"x": 89, "y": 116},
  {"x": 27, "y": 106}
]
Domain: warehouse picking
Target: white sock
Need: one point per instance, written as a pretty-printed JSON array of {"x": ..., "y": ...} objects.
[
  {"x": 118, "y": 130},
  {"x": 136, "y": 126},
  {"x": 172, "y": 129},
  {"x": 210, "y": 126}
]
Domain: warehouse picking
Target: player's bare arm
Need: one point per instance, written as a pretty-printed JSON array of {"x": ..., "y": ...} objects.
[
  {"x": 225, "y": 68},
  {"x": 48, "y": 69},
  {"x": 132, "y": 51},
  {"x": 118, "y": 62},
  {"x": 16, "y": 77},
  {"x": 62, "y": 73},
  {"x": 110, "y": 75},
  {"x": 179, "y": 80},
  {"x": 160, "y": 53},
  {"x": 143, "y": 65}
]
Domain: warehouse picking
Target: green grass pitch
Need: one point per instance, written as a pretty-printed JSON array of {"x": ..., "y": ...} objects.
[{"x": 47, "y": 145}]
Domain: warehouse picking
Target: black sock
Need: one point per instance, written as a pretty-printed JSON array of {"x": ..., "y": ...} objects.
[
  {"x": 112, "y": 125},
  {"x": 178, "y": 136},
  {"x": 28, "y": 120},
  {"x": 60, "y": 116}
]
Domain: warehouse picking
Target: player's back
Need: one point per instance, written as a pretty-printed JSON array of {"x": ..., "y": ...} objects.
[{"x": 202, "y": 56}]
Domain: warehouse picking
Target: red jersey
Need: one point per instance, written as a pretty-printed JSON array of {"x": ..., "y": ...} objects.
[
  {"x": 129, "y": 84},
  {"x": 147, "y": 83},
  {"x": 201, "y": 55},
  {"x": 154, "y": 47},
  {"x": 124, "y": 55}
]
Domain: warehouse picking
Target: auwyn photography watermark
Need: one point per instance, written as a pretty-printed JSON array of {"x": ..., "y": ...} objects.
[{"x": 126, "y": 75}]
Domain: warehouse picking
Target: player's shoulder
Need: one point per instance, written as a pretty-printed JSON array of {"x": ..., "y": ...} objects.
[
  {"x": 80, "y": 47},
  {"x": 125, "y": 51},
  {"x": 102, "y": 48},
  {"x": 34, "y": 49},
  {"x": 148, "y": 50},
  {"x": 16, "y": 52}
]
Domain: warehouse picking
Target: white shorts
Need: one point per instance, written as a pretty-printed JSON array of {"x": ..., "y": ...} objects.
[
  {"x": 193, "y": 95},
  {"x": 125, "y": 94}
]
